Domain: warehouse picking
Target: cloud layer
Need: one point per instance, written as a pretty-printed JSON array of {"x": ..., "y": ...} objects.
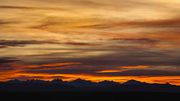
[{"x": 106, "y": 39}]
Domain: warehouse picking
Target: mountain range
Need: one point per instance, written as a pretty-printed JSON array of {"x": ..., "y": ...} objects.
[{"x": 58, "y": 85}]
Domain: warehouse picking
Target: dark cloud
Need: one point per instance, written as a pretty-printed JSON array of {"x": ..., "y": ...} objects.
[
  {"x": 81, "y": 44},
  {"x": 80, "y": 69},
  {"x": 6, "y": 60},
  {"x": 172, "y": 23},
  {"x": 20, "y": 43},
  {"x": 138, "y": 40},
  {"x": 144, "y": 73},
  {"x": 63, "y": 71},
  {"x": 5, "y": 64},
  {"x": 15, "y": 43},
  {"x": 121, "y": 57},
  {"x": 69, "y": 69},
  {"x": 3, "y": 22},
  {"x": 29, "y": 8}
]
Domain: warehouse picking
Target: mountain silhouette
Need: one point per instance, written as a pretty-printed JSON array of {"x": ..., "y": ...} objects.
[
  {"x": 81, "y": 83},
  {"x": 15, "y": 81},
  {"x": 134, "y": 82},
  {"x": 108, "y": 83},
  {"x": 85, "y": 85},
  {"x": 57, "y": 81}
]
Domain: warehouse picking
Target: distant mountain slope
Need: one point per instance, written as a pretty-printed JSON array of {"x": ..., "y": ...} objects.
[{"x": 84, "y": 85}]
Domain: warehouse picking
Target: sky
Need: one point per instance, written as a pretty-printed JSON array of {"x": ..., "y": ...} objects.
[{"x": 94, "y": 40}]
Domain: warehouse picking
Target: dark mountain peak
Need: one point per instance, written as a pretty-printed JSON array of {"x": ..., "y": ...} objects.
[
  {"x": 35, "y": 81},
  {"x": 15, "y": 81},
  {"x": 57, "y": 81},
  {"x": 108, "y": 83},
  {"x": 167, "y": 83},
  {"x": 133, "y": 82},
  {"x": 81, "y": 82}
]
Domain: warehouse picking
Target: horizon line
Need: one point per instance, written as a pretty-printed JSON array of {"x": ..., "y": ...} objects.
[{"x": 86, "y": 80}]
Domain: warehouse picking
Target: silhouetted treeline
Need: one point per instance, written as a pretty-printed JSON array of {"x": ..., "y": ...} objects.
[{"x": 58, "y": 85}]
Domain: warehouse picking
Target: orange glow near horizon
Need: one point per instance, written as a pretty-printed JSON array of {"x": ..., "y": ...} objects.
[
  {"x": 18, "y": 73},
  {"x": 69, "y": 77}
]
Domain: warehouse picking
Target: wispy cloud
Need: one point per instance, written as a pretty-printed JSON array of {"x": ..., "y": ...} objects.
[{"x": 111, "y": 39}]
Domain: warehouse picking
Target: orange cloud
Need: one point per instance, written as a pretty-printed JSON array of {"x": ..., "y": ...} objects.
[
  {"x": 135, "y": 67},
  {"x": 109, "y": 71},
  {"x": 60, "y": 64}
]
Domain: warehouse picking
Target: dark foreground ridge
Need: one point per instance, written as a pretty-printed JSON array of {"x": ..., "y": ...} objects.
[{"x": 82, "y": 90}]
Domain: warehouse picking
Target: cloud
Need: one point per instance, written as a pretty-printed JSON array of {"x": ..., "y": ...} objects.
[
  {"x": 68, "y": 68},
  {"x": 171, "y": 23},
  {"x": 144, "y": 73},
  {"x": 80, "y": 44},
  {"x": 29, "y": 8},
  {"x": 85, "y": 70},
  {"x": 89, "y": 37},
  {"x": 135, "y": 67},
  {"x": 7, "y": 60},
  {"x": 3, "y": 22},
  {"x": 79, "y": 68},
  {"x": 138, "y": 40},
  {"x": 20, "y": 43}
]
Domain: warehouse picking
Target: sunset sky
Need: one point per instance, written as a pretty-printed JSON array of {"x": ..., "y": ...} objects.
[{"x": 90, "y": 39}]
